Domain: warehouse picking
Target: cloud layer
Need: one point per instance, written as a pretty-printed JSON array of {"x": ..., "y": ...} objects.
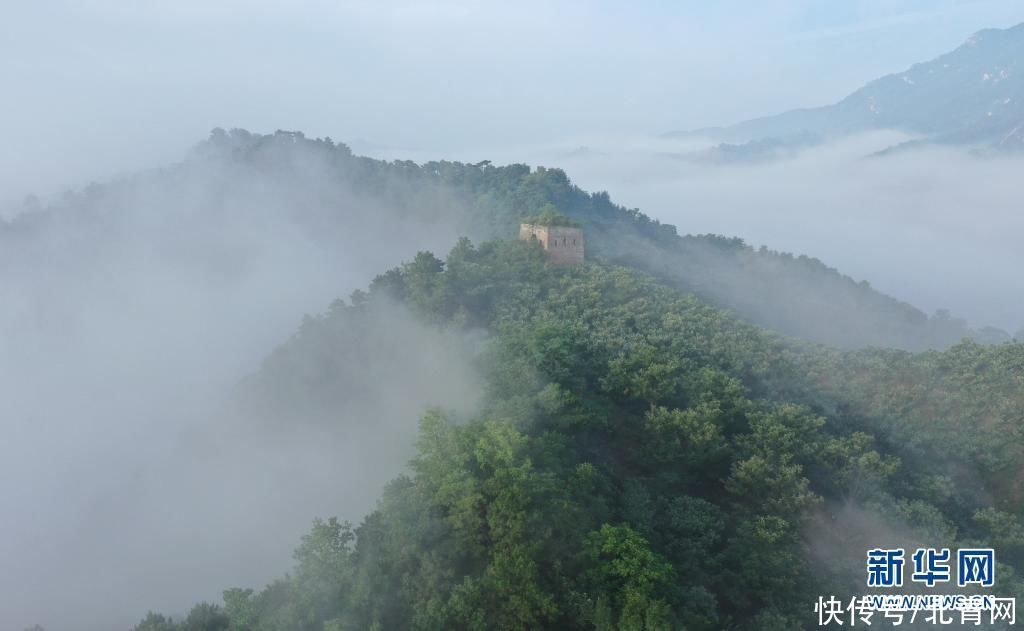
[{"x": 935, "y": 227}]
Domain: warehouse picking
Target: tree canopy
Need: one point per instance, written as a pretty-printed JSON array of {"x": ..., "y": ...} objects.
[{"x": 643, "y": 460}]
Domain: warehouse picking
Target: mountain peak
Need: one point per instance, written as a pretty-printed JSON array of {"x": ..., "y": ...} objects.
[
  {"x": 987, "y": 35},
  {"x": 972, "y": 95}
]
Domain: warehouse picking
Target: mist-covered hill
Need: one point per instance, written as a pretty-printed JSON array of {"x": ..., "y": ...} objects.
[
  {"x": 640, "y": 460},
  {"x": 973, "y": 95},
  {"x": 128, "y": 309},
  {"x": 317, "y": 195}
]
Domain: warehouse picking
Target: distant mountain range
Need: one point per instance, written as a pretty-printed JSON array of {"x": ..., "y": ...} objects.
[{"x": 972, "y": 96}]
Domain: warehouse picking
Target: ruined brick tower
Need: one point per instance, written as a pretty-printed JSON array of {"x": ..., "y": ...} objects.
[{"x": 563, "y": 245}]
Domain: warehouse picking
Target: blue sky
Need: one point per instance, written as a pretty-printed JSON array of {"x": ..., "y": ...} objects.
[{"x": 105, "y": 87}]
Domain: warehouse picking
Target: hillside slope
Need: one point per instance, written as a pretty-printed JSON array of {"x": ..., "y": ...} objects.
[{"x": 641, "y": 460}]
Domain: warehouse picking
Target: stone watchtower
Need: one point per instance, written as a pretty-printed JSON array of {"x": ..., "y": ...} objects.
[{"x": 563, "y": 245}]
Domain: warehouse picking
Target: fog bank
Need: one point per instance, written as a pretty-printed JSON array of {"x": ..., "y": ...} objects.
[
  {"x": 128, "y": 315},
  {"x": 936, "y": 227}
]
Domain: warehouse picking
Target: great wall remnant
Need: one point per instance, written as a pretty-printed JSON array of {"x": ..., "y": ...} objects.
[{"x": 563, "y": 245}]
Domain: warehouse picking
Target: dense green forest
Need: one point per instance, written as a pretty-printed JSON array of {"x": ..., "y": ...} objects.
[
  {"x": 684, "y": 432},
  {"x": 641, "y": 460}
]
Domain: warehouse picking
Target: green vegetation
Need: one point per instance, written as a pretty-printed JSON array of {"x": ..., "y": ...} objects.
[
  {"x": 643, "y": 460},
  {"x": 551, "y": 216}
]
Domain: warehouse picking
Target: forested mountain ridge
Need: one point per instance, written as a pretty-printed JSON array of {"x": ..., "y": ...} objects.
[
  {"x": 338, "y": 199},
  {"x": 641, "y": 460},
  {"x": 971, "y": 95},
  {"x": 795, "y": 295}
]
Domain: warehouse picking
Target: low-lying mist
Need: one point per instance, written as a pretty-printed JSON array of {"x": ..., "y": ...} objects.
[
  {"x": 936, "y": 227},
  {"x": 128, "y": 315}
]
